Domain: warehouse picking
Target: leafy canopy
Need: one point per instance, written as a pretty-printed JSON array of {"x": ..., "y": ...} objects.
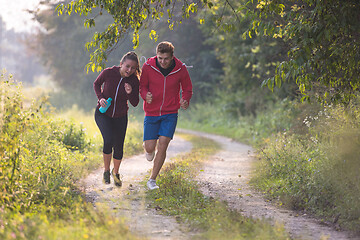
[
  {"x": 324, "y": 36},
  {"x": 127, "y": 15}
]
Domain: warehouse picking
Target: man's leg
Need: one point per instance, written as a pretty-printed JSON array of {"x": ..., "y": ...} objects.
[
  {"x": 150, "y": 145},
  {"x": 160, "y": 155},
  {"x": 151, "y": 130}
]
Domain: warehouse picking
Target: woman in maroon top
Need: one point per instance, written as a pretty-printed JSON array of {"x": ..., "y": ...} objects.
[{"x": 121, "y": 83}]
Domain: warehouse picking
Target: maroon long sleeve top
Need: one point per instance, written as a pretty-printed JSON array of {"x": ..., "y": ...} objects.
[{"x": 109, "y": 83}]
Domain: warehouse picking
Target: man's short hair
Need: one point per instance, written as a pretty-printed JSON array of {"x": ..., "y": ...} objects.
[{"x": 165, "y": 47}]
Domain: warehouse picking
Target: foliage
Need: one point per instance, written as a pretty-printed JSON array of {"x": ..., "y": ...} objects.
[
  {"x": 246, "y": 61},
  {"x": 127, "y": 15},
  {"x": 179, "y": 195},
  {"x": 34, "y": 162},
  {"x": 324, "y": 41},
  {"x": 74, "y": 138},
  {"x": 82, "y": 222},
  {"x": 318, "y": 170},
  {"x": 38, "y": 195}
]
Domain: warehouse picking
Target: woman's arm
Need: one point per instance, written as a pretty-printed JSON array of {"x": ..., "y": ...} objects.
[
  {"x": 133, "y": 97},
  {"x": 97, "y": 85}
]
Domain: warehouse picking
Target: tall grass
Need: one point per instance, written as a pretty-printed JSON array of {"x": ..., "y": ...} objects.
[
  {"x": 318, "y": 171},
  {"x": 42, "y": 157}
]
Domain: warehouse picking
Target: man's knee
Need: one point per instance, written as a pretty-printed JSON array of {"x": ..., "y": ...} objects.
[
  {"x": 149, "y": 145},
  {"x": 163, "y": 143}
]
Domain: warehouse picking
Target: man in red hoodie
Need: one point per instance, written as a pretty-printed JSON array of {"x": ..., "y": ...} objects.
[{"x": 161, "y": 80}]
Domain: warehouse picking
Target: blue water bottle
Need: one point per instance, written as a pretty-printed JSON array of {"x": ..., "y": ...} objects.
[{"x": 108, "y": 103}]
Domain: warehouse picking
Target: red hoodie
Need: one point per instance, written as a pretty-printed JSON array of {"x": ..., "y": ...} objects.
[
  {"x": 110, "y": 84},
  {"x": 165, "y": 90}
]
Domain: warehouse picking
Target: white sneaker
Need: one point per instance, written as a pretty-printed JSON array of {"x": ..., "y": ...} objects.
[
  {"x": 150, "y": 156},
  {"x": 152, "y": 184}
]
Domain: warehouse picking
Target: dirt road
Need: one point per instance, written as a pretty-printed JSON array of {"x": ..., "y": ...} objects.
[{"x": 225, "y": 176}]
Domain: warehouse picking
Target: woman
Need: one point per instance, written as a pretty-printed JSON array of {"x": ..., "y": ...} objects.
[{"x": 121, "y": 83}]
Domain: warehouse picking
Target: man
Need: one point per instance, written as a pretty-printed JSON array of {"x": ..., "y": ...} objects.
[{"x": 162, "y": 77}]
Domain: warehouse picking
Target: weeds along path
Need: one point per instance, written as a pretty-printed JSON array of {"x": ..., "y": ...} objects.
[
  {"x": 226, "y": 176},
  {"x": 128, "y": 201}
]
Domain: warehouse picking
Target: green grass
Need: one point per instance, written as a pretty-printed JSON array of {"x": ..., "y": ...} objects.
[
  {"x": 179, "y": 196},
  {"x": 42, "y": 157},
  {"x": 249, "y": 129},
  {"x": 317, "y": 171}
]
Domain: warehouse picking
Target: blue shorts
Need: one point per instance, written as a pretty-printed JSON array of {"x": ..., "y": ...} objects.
[{"x": 160, "y": 126}]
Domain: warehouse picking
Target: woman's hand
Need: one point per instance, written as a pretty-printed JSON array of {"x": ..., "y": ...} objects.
[
  {"x": 103, "y": 102},
  {"x": 128, "y": 88}
]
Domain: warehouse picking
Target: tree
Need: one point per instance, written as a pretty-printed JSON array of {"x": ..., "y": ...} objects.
[
  {"x": 246, "y": 61},
  {"x": 324, "y": 36}
]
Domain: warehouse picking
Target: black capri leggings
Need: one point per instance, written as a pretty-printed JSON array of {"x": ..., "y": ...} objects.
[{"x": 113, "y": 131}]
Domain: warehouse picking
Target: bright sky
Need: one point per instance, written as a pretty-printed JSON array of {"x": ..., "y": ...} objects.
[{"x": 14, "y": 14}]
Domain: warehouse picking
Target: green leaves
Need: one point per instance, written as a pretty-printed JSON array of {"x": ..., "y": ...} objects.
[
  {"x": 324, "y": 41},
  {"x": 128, "y": 15}
]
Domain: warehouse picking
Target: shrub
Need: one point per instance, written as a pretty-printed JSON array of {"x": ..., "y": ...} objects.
[
  {"x": 317, "y": 170},
  {"x": 74, "y": 138}
]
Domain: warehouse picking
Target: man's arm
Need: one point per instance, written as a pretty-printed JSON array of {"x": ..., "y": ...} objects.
[{"x": 186, "y": 88}]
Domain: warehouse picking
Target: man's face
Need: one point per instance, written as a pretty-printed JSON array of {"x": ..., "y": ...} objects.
[{"x": 164, "y": 59}]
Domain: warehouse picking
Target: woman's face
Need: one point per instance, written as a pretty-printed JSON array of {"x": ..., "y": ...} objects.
[{"x": 128, "y": 67}]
